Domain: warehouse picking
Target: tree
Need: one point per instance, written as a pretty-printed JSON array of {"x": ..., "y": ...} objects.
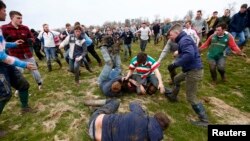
[
  {"x": 190, "y": 14},
  {"x": 231, "y": 7},
  {"x": 157, "y": 17}
]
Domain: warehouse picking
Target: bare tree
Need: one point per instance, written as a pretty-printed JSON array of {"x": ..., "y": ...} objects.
[
  {"x": 157, "y": 17},
  {"x": 231, "y": 7},
  {"x": 190, "y": 14},
  {"x": 176, "y": 18}
]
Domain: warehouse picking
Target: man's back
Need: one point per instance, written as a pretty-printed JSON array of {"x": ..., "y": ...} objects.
[
  {"x": 189, "y": 57},
  {"x": 132, "y": 126},
  {"x": 124, "y": 127}
]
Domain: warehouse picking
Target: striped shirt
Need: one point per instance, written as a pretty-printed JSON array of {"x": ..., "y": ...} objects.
[{"x": 146, "y": 69}]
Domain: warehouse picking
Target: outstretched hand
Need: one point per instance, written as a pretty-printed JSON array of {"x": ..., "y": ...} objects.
[
  {"x": 161, "y": 88},
  {"x": 31, "y": 66},
  {"x": 19, "y": 42}
]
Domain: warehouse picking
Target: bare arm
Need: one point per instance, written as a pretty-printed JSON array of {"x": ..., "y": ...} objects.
[
  {"x": 64, "y": 42},
  {"x": 130, "y": 72},
  {"x": 160, "y": 85}
]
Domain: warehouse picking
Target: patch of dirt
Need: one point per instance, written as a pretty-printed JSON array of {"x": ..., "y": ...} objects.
[
  {"x": 40, "y": 107},
  {"x": 124, "y": 106},
  {"x": 78, "y": 122},
  {"x": 92, "y": 82},
  {"x": 49, "y": 125},
  {"x": 65, "y": 138},
  {"x": 15, "y": 127},
  {"x": 55, "y": 114},
  {"x": 239, "y": 94},
  {"x": 69, "y": 92},
  {"x": 227, "y": 114},
  {"x": 248, "y": 60}
]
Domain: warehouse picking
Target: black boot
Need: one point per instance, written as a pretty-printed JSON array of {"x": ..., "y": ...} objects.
[
  {"x": 86, "y": 64},
  {"x": 222, "y": 74},
  {"x": 59, "y": 63},
  {"x": 172, "y": 75},
  {"x": 173, "y": 97},
  {"x": 200, "y": 111},
  {"x": 49, "y": 66},
  {"x": 213, "y": 75}
]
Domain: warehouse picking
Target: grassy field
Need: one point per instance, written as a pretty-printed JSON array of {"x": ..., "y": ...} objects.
[{"x": 62, "y": 116}]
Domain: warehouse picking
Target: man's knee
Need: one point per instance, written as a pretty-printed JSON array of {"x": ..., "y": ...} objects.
[
  {"x": 151, "y": 89},
  {"x": 6, "y": 97},
  {"x": 221, "y": 67},
  {"x": 191, "y": 100},
  {"x": 114, "y": 102},
  {"x": 23, "y": 84}
]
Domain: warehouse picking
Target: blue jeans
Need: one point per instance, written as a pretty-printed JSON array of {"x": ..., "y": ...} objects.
[
  {"x": 74, "y": 67},
  {"x": 241, "y": 37},
  {"x": 110, "y": 107},
  {"x": 127, "y": 49},
  {"x": 111, "y": 61},
  {"x": 247, "y": 33},
  {"x": 143, "y": 45},
  {"x": 50, "y": 53},
  {"x": 241, "y": 41},
  {"x": 150, "y": 79},
  {"x": 66, "y": 56}
]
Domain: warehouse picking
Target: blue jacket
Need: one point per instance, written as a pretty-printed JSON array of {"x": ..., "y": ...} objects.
[
  {"x": 189, "y": 57},
  {"x": 132, "y": 126},
  {"x": 238, "y": 22},
  {"x": 88, "y": 40},
  {"x": 106, "y": 87}
]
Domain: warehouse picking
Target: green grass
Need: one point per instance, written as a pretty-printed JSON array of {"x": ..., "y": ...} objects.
[{"x": 62, "y": 116}]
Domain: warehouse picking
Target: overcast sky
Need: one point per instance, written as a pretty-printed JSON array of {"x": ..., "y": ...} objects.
[{"x": 95, "y": 12}]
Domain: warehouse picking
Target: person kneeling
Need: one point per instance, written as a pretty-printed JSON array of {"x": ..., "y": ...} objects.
[
  {"x": 77, "y": 51},
  {"x": 144, "y": 70}
]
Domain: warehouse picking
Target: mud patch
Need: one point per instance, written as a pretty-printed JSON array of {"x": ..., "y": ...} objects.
[
  {"x": 78, "y": 122},
  {"x": 69, "y": 92},
  {"x": 239, "y": 94},
  {"x": 15, "y": 127},
  {"x": 93, "y": 82},
  {"x": 40, "y": 107},
  {"x": 227, "y": 114},
  {"x": 55, "y": 115},
  {"x": 124, "y": 106},
  {"x": 89, "y": 94},
  {"x": 248, "y": 60},
  {"x": 49, "y": 125},
  {"x": 62, "y": 137}
]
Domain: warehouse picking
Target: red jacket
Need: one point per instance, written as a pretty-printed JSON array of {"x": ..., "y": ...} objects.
[{"x": 12, "y": 34}]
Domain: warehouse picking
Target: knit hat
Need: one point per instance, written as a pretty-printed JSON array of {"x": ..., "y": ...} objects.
[
  {"x": 244, "y": 6},
  {"x": 172, "y": 27}
]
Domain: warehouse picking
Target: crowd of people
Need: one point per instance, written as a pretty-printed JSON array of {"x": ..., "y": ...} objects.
[{"x": 183, "y": 40}]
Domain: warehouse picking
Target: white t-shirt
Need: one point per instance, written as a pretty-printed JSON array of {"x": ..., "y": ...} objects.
[
  {"x": 191, "y": 33},
  {"x": 48, "y": 38},
  {"x": 144, "y": 33}
]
